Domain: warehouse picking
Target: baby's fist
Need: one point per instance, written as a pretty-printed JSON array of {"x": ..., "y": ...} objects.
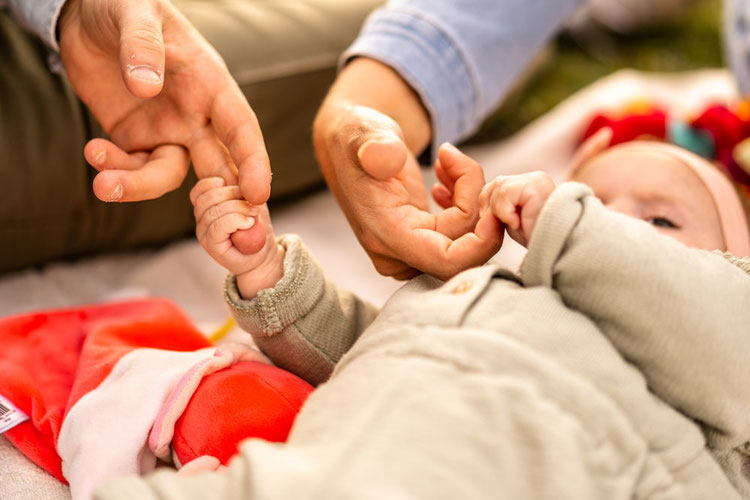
[
  {"x": 237, "y": 235},
  {"x": 516, "y": 201}
]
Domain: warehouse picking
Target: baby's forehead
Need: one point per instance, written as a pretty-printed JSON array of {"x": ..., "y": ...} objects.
[
  {"x": 645, "y": 173},
  {"x": 637, "y": 158}
]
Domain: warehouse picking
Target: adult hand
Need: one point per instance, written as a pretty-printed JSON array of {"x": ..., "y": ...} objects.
[
  {"x": 365, "y": 135},
  {"x": 158, "y": 89}
]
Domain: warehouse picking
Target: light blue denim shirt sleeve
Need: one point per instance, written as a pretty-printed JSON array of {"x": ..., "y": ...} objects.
[
  {"x": 737, "y": 36},
  {"x": 460, "y": 56},
  {"x": 39, "y": 17}
]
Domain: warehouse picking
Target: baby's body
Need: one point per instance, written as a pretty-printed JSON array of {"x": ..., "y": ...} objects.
[{"x": 594, "y": 373}]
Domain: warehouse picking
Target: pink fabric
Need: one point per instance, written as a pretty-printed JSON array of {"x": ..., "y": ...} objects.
[{"x": 161, "y": 434}]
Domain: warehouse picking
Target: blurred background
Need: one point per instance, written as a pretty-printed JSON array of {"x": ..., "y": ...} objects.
[{"x": 605, "y": 36}]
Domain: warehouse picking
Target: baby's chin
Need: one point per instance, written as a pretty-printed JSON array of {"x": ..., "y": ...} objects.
[{"x": 250, "y": 241}]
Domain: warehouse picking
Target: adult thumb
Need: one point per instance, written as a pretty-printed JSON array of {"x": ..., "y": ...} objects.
[
  {"x": 383, "y": 156},
  {"x": 376, "y": 140},
  {"x": 141, "y": 49}
]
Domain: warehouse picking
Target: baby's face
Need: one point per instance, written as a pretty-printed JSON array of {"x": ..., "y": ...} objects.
[{"x": 658, "y": 188}]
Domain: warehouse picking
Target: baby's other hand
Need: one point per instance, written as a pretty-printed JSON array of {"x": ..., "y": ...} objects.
[
  {"x": 224, "y": 219},
  {"x": 516, "y": 201}
]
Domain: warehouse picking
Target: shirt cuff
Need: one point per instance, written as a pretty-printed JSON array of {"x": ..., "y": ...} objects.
[
  {"x": 431, "y": 61},
  {"x": 292, "y": 298},
  {"x": 40, "y": 17}
]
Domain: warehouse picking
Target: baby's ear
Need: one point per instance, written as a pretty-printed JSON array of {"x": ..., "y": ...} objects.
[{"x": 590, "y": 148}]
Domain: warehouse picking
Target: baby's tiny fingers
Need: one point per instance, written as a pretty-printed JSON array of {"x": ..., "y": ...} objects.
[
  {"x": 486, "y": 192},
  {"x": 213, "y": 197},
  {"x": 503, "y": 207},
  {"x": 203, "y": 186},
  {"x": 216, "y": 212},
  {"x": 223, "y": 227}
]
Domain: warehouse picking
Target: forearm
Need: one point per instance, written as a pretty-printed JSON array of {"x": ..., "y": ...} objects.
[
  {"x": 459, "y": 56},
  {"x": 40, "y": 17},
  {"x": 678, "y": 314}
]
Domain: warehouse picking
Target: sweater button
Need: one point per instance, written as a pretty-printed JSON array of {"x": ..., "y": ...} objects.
[{"x": 462, "y": 287}]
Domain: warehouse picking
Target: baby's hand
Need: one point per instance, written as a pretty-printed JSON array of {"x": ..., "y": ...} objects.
[
  {"x": 220, "y": 212},
  {"x": 516, "y": 201}
]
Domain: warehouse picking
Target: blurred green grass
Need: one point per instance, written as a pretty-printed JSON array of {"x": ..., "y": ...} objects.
[{"x": 573, "y": 61}]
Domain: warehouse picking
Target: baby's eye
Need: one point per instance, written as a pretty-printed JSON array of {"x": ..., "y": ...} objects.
[{"x": 662, "y": 222}]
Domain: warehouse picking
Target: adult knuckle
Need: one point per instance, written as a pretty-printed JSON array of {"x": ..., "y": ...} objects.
[{"x": 150, "y": 36}]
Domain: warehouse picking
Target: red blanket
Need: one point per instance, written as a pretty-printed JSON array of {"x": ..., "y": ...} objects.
[{"x": 105, "y": 385}]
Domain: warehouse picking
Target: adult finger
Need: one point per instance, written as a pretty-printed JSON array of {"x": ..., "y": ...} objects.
[
  {"x": 383, "y": 157},
  {"x": 442, "y": 196},
  {"x": 210, "y": 157},
  {"x": 105, "y": 155},
  {"x": 141, "y": 47},
  {"x": 376, "y": 140},
  {"x": 445, "y": 257},
  {"x": 468, "y": 180},
  {"x": 237, "y": 127},
  {"x": 163, "y": 172},
  {"x": 442, "y": 175},
  {"x": 420, "y": 246}
]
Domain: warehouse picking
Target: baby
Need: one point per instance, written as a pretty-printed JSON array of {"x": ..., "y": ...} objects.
[{"x": 596, "y": 372}]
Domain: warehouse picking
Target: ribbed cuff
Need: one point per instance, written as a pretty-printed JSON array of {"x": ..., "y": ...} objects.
[
  {"x": 292, "y": 298},
  {"x": 431, "y": 61}
]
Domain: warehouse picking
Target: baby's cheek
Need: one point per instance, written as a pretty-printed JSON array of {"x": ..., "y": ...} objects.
[{"x": 250, "y": 241}]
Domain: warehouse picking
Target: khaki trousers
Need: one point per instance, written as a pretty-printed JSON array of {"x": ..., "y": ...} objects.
[{"x": 283, "y": 54}]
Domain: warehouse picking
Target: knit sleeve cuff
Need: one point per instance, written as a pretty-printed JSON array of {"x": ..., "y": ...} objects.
[{"x": 292, "y": 298}]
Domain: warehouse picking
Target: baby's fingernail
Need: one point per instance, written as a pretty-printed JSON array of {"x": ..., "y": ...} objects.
[
  {"x": 218, "y": 182},
  {"x": 249, "y": 222},
  {"x": 116, "y": 193}
]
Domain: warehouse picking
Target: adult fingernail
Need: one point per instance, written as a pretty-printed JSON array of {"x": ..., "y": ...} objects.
[
  {"x": 116, "y": 193},
  {"x": 384, "y": 140},
  {"x": 144, "y": 73},
  {"x": 100, "y": 157},
  {"x": 450, "y": 147}
]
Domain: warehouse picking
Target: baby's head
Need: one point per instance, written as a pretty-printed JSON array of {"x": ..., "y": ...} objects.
[{"x": 680, "y": 193}]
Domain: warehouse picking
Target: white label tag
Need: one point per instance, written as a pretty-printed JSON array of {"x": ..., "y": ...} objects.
[{"x": 10, "y": 416}]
